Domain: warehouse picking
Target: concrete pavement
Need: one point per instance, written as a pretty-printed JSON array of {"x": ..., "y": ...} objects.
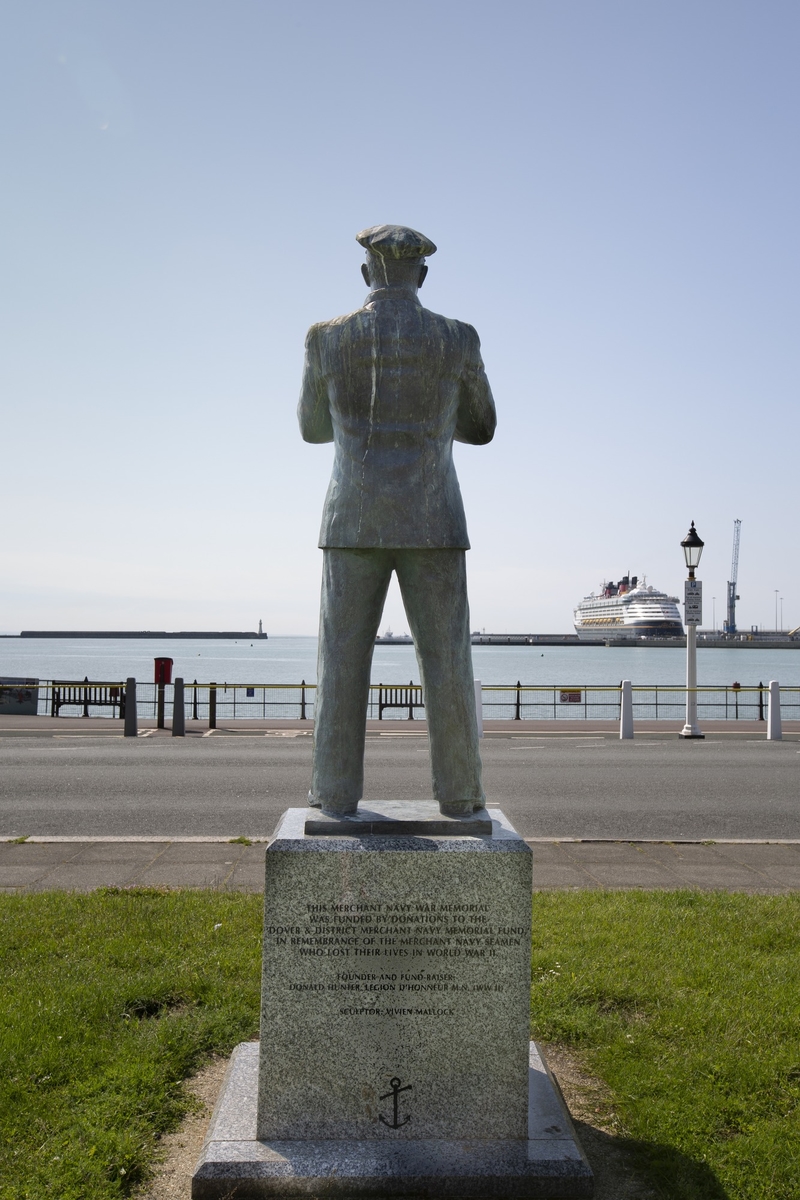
[
  {"x": 82, "y": 865},
  {"x": 112, "y": 727}
]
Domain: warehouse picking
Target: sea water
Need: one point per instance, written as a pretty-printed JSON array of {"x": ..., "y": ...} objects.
[{"x": 292, "y": 659}]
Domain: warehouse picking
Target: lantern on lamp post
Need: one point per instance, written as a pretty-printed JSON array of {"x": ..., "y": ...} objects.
[{"x": 693, "y": 614}]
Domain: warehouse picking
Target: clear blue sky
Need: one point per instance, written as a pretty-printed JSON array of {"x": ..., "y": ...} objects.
[{"x": 613, "y": 187}]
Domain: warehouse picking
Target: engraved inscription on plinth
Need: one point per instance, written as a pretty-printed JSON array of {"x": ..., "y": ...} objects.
[{"x": 395, "y": 999}]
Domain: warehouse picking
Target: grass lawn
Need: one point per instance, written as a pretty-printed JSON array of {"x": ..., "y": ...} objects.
[
  {"x": 107, "y": 1002},
  {"x": 687, "y": 1005}
]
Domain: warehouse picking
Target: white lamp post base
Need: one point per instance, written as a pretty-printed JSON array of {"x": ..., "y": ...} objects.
[{"x": 691, "y": 731}]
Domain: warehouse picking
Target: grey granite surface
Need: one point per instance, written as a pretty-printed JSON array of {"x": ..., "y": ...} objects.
[
  {"x": 396, "y": 984},
  {"x": 290, "y": 835},
  {"x": 547, "y": 1163}
]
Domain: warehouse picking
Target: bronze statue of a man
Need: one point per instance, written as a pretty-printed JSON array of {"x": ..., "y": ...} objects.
[{"x": 392, "y": 385}]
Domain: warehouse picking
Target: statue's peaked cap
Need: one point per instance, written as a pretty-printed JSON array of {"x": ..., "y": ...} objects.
[{"x": 395, "y": 241}]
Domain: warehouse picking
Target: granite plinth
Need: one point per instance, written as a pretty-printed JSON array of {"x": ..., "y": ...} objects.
[
  {"x": 547, "y": 1164},
  {"x": 396, "y": 985},
  {"x": 396, "y": 818}
]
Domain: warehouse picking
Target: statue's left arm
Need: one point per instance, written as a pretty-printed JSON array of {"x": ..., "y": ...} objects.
[
  {"x": 313, "y": 411},
  {"x": 477, "y": 418}
]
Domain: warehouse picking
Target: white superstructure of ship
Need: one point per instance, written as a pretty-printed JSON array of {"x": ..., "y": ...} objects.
[{"x": 628, "y": 609}]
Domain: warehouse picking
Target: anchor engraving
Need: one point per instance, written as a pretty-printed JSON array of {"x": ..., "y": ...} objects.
[{"x": 395, "y": 1123}]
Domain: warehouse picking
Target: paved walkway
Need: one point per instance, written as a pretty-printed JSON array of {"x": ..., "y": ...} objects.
[
  {"x": 272, "y": 727},
  {"x": 84, "y": 864}
]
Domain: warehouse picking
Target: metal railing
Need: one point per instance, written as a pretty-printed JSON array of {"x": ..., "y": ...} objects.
[
  {"x": 651, "y": 702},
  {"x": 541, "y": 702},
  {"x": 211, "y": 702}
]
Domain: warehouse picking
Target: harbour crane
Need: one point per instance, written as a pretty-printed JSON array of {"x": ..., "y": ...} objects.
[{"x": 730, "y": 625}]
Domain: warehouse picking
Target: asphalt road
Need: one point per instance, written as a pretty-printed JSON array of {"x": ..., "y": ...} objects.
[{"x": 590, "y": 786}]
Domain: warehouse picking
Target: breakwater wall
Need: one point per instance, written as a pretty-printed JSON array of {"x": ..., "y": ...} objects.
[{"x": 149, "y": 635}]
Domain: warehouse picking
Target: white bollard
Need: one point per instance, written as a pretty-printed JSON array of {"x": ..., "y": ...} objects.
[
  {"x": 626, "y": 710},
  {"x": 479, "y": 707},
  {"x": 774, "y": 731}
]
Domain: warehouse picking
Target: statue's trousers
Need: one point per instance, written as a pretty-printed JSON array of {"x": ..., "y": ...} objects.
[{"x": 433, "y": 585}]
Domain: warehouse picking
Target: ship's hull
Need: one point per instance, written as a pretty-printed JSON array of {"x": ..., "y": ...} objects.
[{"x": 592, "y": 630}]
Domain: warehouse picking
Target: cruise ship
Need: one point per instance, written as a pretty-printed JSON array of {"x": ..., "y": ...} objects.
[{"x": 628, "y": 609}]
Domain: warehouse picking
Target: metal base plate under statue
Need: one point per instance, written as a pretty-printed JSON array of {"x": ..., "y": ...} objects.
[{"x": 394, "y": 1057}]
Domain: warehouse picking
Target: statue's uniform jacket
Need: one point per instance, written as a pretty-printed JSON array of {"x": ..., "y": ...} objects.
[{"x": 392, "y": 385}]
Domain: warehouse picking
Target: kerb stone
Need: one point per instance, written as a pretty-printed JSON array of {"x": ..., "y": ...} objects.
[{"x": 395, "y": 998}]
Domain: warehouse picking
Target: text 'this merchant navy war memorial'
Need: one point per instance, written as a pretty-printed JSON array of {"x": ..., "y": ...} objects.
[{"x": 394, "y": 1057}]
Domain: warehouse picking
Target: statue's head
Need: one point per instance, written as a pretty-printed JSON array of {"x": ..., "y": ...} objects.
[{"x": 395, "y": 256}]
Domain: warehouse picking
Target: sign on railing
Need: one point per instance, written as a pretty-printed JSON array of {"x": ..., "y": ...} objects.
[{"x": 19, "y": 697}]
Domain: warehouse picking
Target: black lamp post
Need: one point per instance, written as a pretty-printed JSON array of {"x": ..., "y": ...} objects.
[{"x": 692, "y": 549}]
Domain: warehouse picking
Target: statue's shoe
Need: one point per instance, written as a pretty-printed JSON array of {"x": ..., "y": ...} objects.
[
  {"x": 348, "y": 809},
  {"x": 466, "y": 809}
]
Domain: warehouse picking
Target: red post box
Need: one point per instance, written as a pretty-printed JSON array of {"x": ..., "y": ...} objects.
[
  {"x": 163, "y": 677},
  {"x": 163, "y": 670}
]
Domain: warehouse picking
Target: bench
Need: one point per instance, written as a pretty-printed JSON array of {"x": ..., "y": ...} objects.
[
  {"x": 85, "y": 695},
  {"x": 409, "y": 697}
]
